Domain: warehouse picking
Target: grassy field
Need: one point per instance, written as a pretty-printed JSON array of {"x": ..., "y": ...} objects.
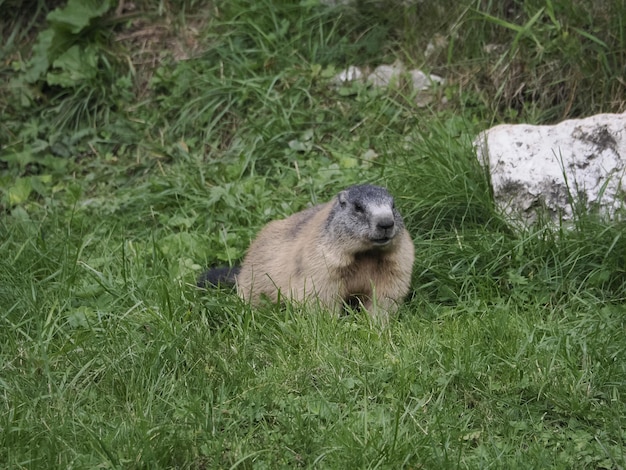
[{"x": 141, "y": 142}]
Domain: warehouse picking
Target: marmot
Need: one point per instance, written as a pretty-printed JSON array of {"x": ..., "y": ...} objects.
[{"x": 354, "y": 250}]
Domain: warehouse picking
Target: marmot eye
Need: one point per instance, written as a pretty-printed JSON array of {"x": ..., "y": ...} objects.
[{"x": 359, "y": 207}]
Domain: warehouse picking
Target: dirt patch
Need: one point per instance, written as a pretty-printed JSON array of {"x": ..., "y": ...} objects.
[{"x": 151, "y": 39}]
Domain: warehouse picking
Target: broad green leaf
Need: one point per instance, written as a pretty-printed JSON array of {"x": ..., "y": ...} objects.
[
  {"x": 74, "y": 66},
  {"x": 40, "y": 184},
  {"x": 82, "y": 316},
  {"x": 181, "y": 221},
  {"x": 39, "y": 62},
  {"x": 21, "y": 159},
  {"x": 19, "y": 192},
  {"x": 77, "y": 14}
]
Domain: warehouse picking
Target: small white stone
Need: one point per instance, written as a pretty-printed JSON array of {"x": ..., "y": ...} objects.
[
  {"x": 422, "y": 82},
  {"x": 386, "y": 75},
  {"x": 350, "y": 74}
]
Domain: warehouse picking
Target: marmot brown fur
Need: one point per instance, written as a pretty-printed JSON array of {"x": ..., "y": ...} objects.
[{"x": 353, "y": 250}]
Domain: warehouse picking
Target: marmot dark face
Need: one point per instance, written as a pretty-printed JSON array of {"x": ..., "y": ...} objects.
[{"x": 364, "y": 217}]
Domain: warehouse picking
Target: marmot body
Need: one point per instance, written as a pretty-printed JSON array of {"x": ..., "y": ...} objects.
[{"x": 352, "y": 250}]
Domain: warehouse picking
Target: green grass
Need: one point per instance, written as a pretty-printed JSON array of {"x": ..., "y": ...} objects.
[{"x": 116, "y": 190}]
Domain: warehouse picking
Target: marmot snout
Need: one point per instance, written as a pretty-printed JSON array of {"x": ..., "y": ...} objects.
[{"x": 352, "y": 250}]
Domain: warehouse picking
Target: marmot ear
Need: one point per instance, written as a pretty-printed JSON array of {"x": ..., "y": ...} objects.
[{"x": 341, "y": 197}]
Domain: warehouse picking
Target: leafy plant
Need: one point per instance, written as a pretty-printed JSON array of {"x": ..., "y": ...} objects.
[
  {"x": 71, "y": 84},
  {"x": 65, "y": 53},
  {"x": 72, "y": 66}
]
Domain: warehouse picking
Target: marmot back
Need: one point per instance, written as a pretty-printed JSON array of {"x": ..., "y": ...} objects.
[{"x": 352, "y": 250}]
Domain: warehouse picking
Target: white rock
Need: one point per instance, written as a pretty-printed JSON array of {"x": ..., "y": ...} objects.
[
  {"x": 386, "y": 75},
  {"x": 534, "y": 166},
  {"x": 350, "y": 74},
  {"x": 421, "y": 81}
]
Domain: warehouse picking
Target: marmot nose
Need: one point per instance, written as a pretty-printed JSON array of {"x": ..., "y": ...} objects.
[{"x": 386, "y": 223}]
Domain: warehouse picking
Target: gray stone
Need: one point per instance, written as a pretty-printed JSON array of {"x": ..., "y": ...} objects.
[
  {"x": 421, "y": 81},
  {"x": 389, "y": 75},
  {"x": 386, "y": 75},
  {"x": 351, "y": 74},
  {"x": 580, "y": 160}
]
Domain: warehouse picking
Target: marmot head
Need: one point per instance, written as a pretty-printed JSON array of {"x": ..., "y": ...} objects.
[{"x": 364, "y": 217}]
